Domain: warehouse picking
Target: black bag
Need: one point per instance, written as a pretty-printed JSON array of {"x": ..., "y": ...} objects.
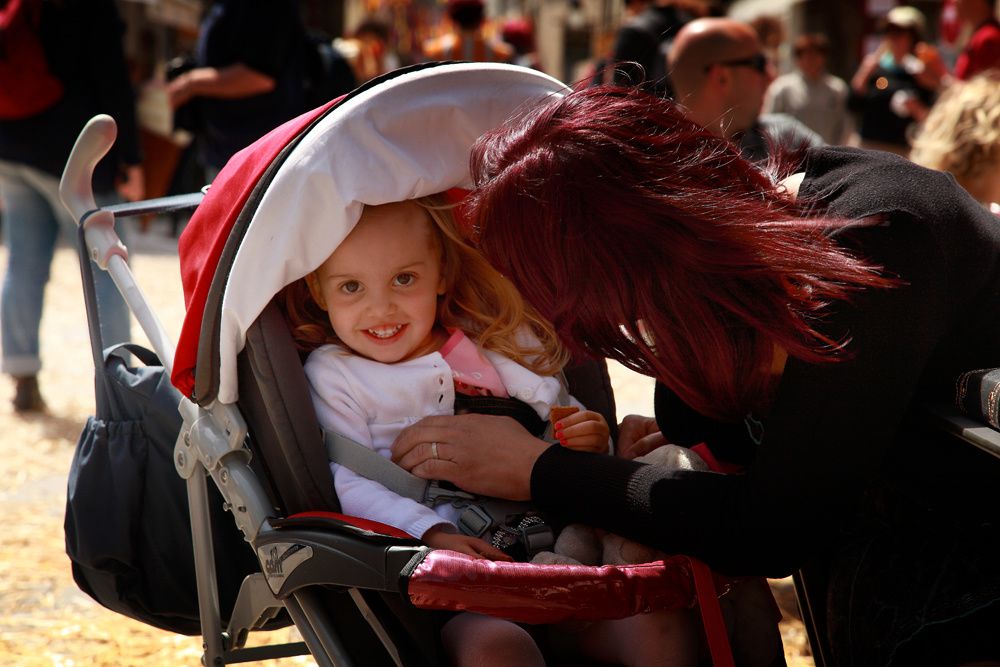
[{"x": 128, "y": 531}]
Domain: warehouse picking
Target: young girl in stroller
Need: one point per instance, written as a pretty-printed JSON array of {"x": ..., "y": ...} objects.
[{"x": 405, "y": 320}]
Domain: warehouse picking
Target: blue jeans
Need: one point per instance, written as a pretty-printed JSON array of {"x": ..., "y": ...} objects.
[{"x": 32, "y": 219}]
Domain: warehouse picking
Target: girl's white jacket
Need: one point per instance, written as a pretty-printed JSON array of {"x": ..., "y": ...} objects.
[{"x": 372, "y": 402}]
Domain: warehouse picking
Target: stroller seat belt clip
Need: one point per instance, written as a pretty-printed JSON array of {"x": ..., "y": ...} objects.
[
  {"x": 436, "y": 494},
  {"x": 474, "y": 521}
]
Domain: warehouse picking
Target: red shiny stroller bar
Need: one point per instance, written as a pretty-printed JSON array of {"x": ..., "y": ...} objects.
[{"x": 530, "y": 593}]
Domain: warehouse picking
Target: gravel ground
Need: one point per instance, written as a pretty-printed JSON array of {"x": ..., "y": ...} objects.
[{"x": 44, "y": 618}]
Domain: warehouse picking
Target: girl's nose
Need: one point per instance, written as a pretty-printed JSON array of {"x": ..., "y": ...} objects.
[{"x": 380, "y": 302}]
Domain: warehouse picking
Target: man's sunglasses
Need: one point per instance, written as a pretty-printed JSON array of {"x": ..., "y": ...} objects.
[{"x": 758, "y": 62}]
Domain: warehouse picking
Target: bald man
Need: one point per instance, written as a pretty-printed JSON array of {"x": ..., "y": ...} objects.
[{"x": 720, "y": 73}]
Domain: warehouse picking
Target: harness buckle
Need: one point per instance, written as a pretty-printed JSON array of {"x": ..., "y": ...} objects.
[
  {"x": 474, "y": 521},
  {"x": 435, "y": 494},
  {"x": 537, "y": 537}
]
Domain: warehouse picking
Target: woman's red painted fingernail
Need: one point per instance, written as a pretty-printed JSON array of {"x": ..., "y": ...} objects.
[
  {"x": 558, "y": 425},
  {"x": 559, "y": 435}
]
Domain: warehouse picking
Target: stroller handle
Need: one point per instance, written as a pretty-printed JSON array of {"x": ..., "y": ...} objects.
[{"x": 76, "y": 188}]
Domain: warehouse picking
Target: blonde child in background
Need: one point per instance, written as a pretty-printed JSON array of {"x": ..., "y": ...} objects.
[{"x": 961, "y": 135}]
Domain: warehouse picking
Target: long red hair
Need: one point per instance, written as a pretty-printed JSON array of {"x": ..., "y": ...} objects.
[{"x": 646, "y": 239}]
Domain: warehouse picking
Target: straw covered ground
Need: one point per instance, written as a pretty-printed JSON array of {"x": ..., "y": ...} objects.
[{"x": 44, "y": 618}]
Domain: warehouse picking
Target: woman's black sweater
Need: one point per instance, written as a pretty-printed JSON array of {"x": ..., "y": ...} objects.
[{"x": 835, "y": 430}]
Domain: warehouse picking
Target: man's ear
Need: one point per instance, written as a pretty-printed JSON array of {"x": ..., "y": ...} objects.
[{"x": 312, "y": 281}]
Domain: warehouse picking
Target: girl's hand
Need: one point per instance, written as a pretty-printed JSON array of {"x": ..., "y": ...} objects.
[
  {"x": 638, "y": 435},
  {"x": 438, "y": 538},
  {"x": 484, "y": 454},
  {"x": 584, "y": 431}
]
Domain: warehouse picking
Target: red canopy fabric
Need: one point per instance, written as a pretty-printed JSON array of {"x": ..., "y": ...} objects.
[{"x": 205, "y": 236}]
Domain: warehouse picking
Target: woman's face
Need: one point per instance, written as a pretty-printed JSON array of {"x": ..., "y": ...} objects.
[
  {"x": 899, "y": 39},
  {"x": 381, "y": 286}
]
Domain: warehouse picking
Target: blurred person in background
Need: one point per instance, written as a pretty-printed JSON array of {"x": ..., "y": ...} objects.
[
  {"x": 982, "y": 51},
  {"x": 642, "y": 42},
  {"x": 368, "y": 50},
  {"x": 519, "y": 33},
  {"x": 772, "y": 34},
  {"x": 78, "y": 70},
  {"x": 895, "y": 85},
  {"x": 720, "y": 74},
  {"x": 810, "y": 93},
  {"x": 962, "y": 136},
  {"x": 466, "y": 40},
  {"x": 248, "y": 77}
]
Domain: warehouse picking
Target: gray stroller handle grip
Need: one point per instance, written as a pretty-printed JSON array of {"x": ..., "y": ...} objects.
[{"x": 76, "y": 189}]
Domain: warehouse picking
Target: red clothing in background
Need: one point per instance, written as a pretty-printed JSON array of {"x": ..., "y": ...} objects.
[{"x": 981, "y": 53}]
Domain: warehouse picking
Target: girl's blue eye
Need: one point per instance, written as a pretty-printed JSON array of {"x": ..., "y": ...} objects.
[
  {"x": 350, "y": 287},
  {"x": 403, "y": 279}
]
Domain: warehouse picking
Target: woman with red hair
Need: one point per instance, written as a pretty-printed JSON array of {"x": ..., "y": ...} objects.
[{"x": 794, "y": 318}]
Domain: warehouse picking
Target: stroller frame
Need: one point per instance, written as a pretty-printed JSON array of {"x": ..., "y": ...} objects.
[
  {"x": 349, "y": 588},
  {"x": 211, "y": 443}
]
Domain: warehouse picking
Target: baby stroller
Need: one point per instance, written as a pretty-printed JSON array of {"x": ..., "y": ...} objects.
[{"x": 358, "y": 592}]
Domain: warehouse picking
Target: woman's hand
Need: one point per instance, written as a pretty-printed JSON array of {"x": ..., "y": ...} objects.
[
  {"x": 484, "y": 454},
  {"x": 638, "y": 435},
  {"x": 466, "y": 544},
  {"x": 585, "y": 431}
]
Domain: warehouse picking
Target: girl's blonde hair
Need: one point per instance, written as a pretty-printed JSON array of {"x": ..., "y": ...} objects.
[
  {"x": 477, "y": 299},
  {"x": 962, "y": 132}
]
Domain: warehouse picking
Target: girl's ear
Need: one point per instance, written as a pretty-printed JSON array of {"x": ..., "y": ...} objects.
[
  {"x": 312, "y": 281},
  {"x": 441, "y": 286}
]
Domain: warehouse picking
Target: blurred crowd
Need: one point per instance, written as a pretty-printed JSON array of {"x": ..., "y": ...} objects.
[
  {"x": 930, "y": 92},
  {"x": 247, "y": 71}
]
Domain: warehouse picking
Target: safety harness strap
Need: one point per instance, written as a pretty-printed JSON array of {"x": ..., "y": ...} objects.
[
  {"x": 478, "y": 516},
  {"x": 369, "y": 463}
]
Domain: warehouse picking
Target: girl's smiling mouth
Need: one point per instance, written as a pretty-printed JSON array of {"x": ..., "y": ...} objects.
[{"x": 385, "y": 332}]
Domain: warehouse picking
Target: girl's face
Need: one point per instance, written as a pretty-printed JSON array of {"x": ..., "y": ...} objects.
[{"x": 380, "y": 286}]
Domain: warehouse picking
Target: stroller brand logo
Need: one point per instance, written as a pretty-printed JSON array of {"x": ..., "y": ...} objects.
[{"x": 280, "y": 559}]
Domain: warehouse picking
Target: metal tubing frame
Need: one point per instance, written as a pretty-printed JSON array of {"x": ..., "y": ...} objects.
[
  {"x": 204, "y": 567},
  {"x": 211, "y": 439},
  {"x": 307, "y": 611}
]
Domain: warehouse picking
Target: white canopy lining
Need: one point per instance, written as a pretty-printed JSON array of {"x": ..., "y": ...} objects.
[{"x": 406, "y": 138}]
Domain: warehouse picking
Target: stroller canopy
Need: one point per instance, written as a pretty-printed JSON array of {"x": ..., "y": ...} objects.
[{"x": 281, "y": 206}]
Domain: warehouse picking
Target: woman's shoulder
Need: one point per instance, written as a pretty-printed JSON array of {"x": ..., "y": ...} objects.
[{"x": 857, "y": 183}]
